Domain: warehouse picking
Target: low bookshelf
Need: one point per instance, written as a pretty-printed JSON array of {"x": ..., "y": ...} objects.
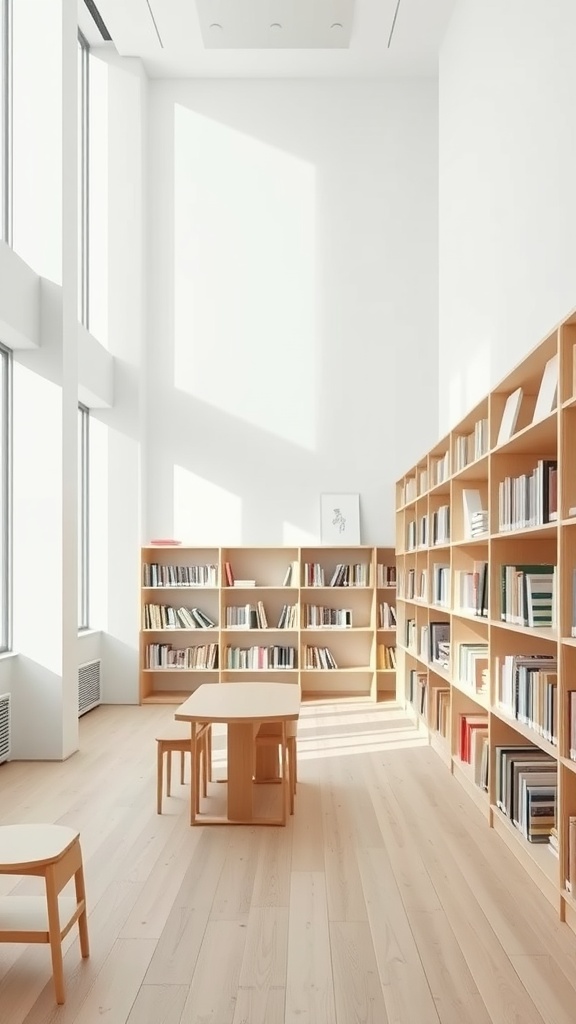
[
  {"x": 486, "y": 608},
  {"x": 323, "y": 618}
]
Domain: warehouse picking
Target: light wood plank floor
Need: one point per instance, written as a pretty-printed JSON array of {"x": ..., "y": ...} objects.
[{"x": 386, "y": 900}]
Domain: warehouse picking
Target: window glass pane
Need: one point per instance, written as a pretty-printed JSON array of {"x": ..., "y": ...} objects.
[
  {"x": 83, "y": 521},
  {"x": 5, "y": 496}
]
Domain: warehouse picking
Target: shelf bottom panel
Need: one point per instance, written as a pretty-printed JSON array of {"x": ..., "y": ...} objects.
[
  {"x": 535, "y": 858},
  {"x": 166, "y": 697}
]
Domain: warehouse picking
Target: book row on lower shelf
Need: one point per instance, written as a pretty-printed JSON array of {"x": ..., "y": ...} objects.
[{"x": 205, "y": 657}]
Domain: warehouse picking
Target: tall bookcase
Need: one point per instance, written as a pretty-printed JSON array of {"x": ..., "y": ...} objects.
[
  {"x": 500, "y": 491},
  {"x": 271, "y": 613}
]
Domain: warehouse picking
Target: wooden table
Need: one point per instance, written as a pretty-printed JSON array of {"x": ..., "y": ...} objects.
[{"x": 242, "y": 707}]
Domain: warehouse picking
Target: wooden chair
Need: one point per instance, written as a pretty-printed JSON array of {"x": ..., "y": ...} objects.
[
  {"x": 176, "y": 739},
  {"x": 53, "y": 853},
  {"x": 271, "y": 736}
]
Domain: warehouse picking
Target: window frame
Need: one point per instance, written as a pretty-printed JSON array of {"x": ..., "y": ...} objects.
[
  {"x": 84, "y": 517},
  {"x": 84, "y": 183},
  {"x": 6, "y": 122}
]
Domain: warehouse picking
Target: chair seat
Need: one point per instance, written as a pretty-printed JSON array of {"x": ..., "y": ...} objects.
[{"x": 28, "y": 846}]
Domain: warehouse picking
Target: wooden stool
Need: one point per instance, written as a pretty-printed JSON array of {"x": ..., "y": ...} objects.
[
  {"x": 270, "y": 735},
  {"x": 52, "y": 852},
  {"x": 176, "y": 738}
]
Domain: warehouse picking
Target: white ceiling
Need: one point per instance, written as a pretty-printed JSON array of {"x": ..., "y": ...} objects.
[{"x": 174, "y": 38}]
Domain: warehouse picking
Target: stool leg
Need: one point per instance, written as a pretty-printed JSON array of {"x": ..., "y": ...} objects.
[
  {"x": 159, "y": 777},
  {"x": 194, "y": 775},
  {"x": 168, "y": 771},
  {"x": 54, "y": 934},
  {"x": 181, "y": 767},
  {"x": 209, "y": 751},
  {"x": 82, "y": 920}
]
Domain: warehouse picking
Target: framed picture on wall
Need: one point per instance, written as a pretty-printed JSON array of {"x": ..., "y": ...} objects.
[{"x": 340, "y": 519}]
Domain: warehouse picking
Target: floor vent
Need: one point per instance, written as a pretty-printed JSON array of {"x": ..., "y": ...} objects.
[
  {"x": 4, "y": 727},
  {"x": 89, "y": 694}
]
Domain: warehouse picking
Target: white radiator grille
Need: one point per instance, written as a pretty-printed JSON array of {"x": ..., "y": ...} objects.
[
  {"x": 88, "y": 686},
  {"x": 4, "y": 727}
]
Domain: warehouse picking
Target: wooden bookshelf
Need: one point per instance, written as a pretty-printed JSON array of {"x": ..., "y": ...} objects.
[
  {"x": 464, "y": 619},
  {"x": 311, "y": 619}
]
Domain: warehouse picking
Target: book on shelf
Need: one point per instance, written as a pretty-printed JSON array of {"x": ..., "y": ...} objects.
[
  {"x": 548, "y": 393},
  {"x": 475, "y": 516},
  {"x": 244, "y": 583},
  {"x": 439, "y": 642},
  {"x": 159, "y": 617},
  {"x": 318, "y": 657},
  {"x": 246, "y": 616},
  {"x": 572, "y": 723},
  {"x": 385, "y": 657},
  {"x": 532, "y": 812},
  {"x": 571, "y": 880},
  {"x": 527, "y": 691},
  {"x": 510, "y": 416},
  {"x": 292, "y": 577},
  {"x": 528, "y": 595},
  {"x": 530, "y": 499}
]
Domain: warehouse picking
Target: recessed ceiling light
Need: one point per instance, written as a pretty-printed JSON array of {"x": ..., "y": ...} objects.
[
  {"x": 215, "y": 27},
  {"x": 337, "y": 25},
  {"x": 276, "y": 26}
]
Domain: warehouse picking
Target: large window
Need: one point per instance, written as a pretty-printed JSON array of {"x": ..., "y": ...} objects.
[
  {"x": 5, "y": 498},
  {"x": 83, "y": 516},
  {"x": 83, "y": 179},
  {"x": 6, "y": 120}
]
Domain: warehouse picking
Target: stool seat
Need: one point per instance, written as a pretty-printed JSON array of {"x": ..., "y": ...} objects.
[
  {"x": 52, "y": 852},
  {"x": 176, "y": 738}
]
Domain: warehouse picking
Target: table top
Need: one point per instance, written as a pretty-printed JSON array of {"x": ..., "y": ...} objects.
[
  {"x": 241, "y": 702},
  {"x": 26, "y": 845}
]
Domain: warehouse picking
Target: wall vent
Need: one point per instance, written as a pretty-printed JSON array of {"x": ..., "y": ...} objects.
[
  {"x": 4, "y": 727},
  {"x": 89, "y": 693}
]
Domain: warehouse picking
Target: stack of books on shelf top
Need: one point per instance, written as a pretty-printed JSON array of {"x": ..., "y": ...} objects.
[{"x": 344, "y": 575}]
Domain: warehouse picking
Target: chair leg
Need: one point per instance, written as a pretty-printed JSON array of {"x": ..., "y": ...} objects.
[
  {"x": 168, "y": 771},
  {"x": 159, "y": 776},
  {"x": 83, "y": 919},
  {"x": 54, "y": 935},
  {"x": 182, "y": 767}
]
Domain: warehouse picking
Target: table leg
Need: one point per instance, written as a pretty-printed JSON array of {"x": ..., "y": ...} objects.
[{"x": 240, "y": 761}]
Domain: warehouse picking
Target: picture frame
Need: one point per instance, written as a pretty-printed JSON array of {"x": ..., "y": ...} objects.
[{"x": 340, "y": 519}]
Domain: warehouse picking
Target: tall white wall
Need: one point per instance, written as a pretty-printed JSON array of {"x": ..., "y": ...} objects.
[
  {"x": 507, "y": 206},
  {"x": 293, "y": 303}
]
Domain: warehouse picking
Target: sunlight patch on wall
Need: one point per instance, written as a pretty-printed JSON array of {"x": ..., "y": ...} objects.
[
  {"x": 203, "y": 512},
  {"x": 244, "y": 277},
  {"x": 467, "y": 385}
]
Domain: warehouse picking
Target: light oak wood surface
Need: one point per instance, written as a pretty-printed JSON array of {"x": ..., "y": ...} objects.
[{"x": 385, "y": 900}]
